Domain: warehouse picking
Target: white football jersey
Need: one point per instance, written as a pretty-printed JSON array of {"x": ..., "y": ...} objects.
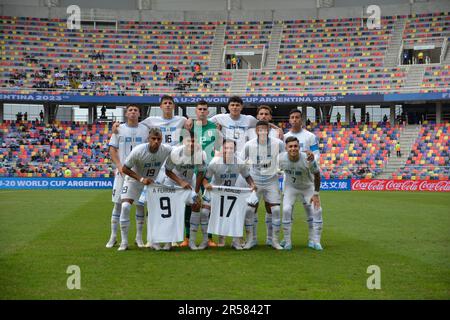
[
  {"x": 235, "y": 129},
  {"x": 166, "y": 213},
  {"x": 170, "y": 128},
  {"x": 146, "y": 163},
  {"x": 184, "y": 165},
  {"x": 228, "y": 206},
  {"x": 251, "y": 133},
  {"x": 300, "y": 174},
  {"x": 263, "y": 159},
  {"x": 226, "y": 174},
  {"x": 307, "y": 142},
  {"x": 127, "y": 138}
]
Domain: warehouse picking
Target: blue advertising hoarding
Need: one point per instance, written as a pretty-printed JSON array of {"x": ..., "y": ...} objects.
[
  {"x": 56, "y": 183},
  {"x": 251, "y": 99}
]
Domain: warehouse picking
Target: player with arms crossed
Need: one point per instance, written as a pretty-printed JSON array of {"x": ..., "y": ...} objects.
[
  {"x": 141, "y": 167},
  {"x": 301, "y": 180},
  {"x": 128, "y": 136},
  {"x": 224, "y": 170},
  {"x": 307, "y": 142},
  {"x": 262, "y": 155},
  {"x": 184, "y": 162}
]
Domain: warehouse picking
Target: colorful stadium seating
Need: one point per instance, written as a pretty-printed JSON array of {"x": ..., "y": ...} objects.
[{"x": 429, "y": 157}]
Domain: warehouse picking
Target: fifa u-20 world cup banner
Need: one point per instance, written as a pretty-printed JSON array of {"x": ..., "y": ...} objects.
[
  {"x": 400, "y": 185},
  {"x": 56, "y": 183}
]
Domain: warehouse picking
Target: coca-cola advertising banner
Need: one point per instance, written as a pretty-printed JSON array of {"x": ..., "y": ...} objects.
[{"x": 400, "y": 185}]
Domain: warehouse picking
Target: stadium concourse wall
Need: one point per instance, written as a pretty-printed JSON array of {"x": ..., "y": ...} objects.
[
  {"x": 216, "y": 10},
  {"x": 326, "y": 185}
]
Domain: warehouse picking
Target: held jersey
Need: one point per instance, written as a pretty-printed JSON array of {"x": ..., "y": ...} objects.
[
  {"x": 166, "y": 207},
  {"x": 263, "y": 159},
  {"x": 228, "y": 206},
  {"x": 307, "y": 140},
  {"x": 226, "y": 174},
  {"x": 146, "y": 163},
  {"x": 300, "y": 174},
  {"x": 251, "y": 133},
  {"x": 170, "y": 128},
  {"x": 127, "y": 138},
  {"x": 184, "y": 165},
  {"x": 235, "y": 129}
]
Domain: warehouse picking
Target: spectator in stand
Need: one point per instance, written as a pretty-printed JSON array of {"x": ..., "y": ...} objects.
[
  {"x": 398, "y": 149},
  {"x": 155, "y": 67},
  {"x": 367, "y": 117},
  {"x": 338, "y": 118},
  {"x": 25, "y": 116},
  {"x": 385, "y": 119}
]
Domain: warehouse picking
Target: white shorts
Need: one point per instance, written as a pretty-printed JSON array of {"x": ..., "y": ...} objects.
[
  {"x": 131, "y": 189},
  {"x": 269, "y": 191},
  {"x": 291, "y": 195},
  {"x": 117, "y": 187}
]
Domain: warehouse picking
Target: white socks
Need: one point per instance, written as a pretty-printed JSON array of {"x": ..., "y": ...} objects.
[
  {"x": 276, "y": 223},
  {"x": 309, "y": 220},
  {"x": 115, "y": 218},
  {"x": 125, "y": 221},
  {"x": 194, "y": 222},
  {"x": 269, "y": 226},
  {"x": 204, "y": 220},
  {"x": 287, "y": 224},
  {"x": 140, "y": 220}
]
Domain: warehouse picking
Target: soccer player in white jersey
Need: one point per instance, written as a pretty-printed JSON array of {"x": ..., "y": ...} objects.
[
  {"x": 223, "y": 170},
  {"x": 262, "y": 155},
  {"x": 307, "y": 142},
  {"x": 185, "y": 162},
  {"x": 302, "y": 181},
  {"x": 169, "y": 124},
  {"x": 264, "y": 113},
  {"x": 235, "y": 125},
  {"x": 130, "y": 134},
  {"x": 141, "y": 167}
]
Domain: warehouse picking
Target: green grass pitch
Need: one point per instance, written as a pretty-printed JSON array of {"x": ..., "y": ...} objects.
[{"x": 406, "y": 234}]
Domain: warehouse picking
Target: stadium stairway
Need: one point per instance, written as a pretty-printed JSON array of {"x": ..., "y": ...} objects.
[
  {"x": 274, "y": 46},
  {"x": 391, "y": 58},
  {"x": 407, "y": 139},
  {"x": 239, "y": 82},
  {"x": 215, "y": 62},
  {"x": 414, "y": 77}
]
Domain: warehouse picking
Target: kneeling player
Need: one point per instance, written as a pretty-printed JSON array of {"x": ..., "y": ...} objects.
[
  {"x": 141, "y": 167},
  {"x": 224, "y": 171},
  {"x": 301, "y": 180}
]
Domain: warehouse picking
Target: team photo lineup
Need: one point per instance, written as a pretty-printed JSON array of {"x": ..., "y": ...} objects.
[
  {"x": 210, "y": 174},
  {"x": 224, "y": 150}
]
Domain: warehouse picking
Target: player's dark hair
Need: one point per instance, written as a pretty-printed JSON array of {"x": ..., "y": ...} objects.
[
  {"x": 235, "y": 99},
  {"x": 229, "y": 140},
  {"x": 202, "y": 103},
  {"x": 264, "y": 107},
  {"x": 166, "y": 97},
  {"x": 290, "y": 139},
  {"x": 132, "y": 105},
  {"x": 262, "y": 123},
  {"x": 294, "y": 111},
  {"x": 154, "y": 132}
]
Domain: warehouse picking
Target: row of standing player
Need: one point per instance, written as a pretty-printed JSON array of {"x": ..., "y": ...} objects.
[{"x": 232, "y": 126}]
